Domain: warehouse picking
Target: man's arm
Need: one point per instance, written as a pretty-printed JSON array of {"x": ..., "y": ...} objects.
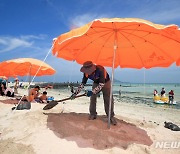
[
  {"x": 101, "y": 81},
  {"x": 98, "y": 88},
  {"x": 81, "y": 86}
]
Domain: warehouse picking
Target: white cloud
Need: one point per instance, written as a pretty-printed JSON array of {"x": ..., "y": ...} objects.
[
  {"x": 11, "y": 43},
  {"x": 28, "y": 37},
  {"x": 81, "y": 20},
  {"x": 3, "y": 42}
]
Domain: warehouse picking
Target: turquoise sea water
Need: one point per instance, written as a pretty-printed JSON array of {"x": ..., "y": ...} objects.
[
  {"x": 143, "y": 93},
  {"x": 137, "y": 93}
]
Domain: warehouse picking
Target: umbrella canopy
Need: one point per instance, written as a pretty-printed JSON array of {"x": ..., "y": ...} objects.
[
  {"x": 25, "y": 67},
  {"x": 178, "y": 62},
  {"x": 139, "y": 43},
  {"x": 124, "y": 42}
]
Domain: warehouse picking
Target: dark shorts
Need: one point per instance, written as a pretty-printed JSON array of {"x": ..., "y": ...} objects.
[{"x": 171, "y": 98}]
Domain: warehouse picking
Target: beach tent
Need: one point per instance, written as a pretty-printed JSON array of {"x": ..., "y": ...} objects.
[
  {"x": 124, "y": 42},
  {"x": 25, "y": 67}
]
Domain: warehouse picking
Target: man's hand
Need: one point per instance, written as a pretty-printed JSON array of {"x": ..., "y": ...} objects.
[
  {"x": 89, "y": 93},
  {"x": 73, "y": 96}
]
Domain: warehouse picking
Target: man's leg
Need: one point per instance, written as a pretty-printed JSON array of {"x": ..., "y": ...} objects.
[
  {"x": 92, "y": 106},
  {"x": 106, "y": 96},
  {"x": 170, "y": 99}
]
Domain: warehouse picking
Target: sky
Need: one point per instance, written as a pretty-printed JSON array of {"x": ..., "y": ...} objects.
[{"x": 28, "y": 27}]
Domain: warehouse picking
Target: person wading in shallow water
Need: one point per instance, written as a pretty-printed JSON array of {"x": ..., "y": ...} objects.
[{"x": 102, "y": 82}]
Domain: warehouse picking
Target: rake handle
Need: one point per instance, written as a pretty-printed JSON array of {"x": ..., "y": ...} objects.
[{"x": 70, "y": 98}]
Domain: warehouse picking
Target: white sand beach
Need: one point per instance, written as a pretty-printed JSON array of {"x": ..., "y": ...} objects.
[{"x": 66, "y": 129}]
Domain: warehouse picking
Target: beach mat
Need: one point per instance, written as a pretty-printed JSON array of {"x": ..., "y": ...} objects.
[{"x": 51, "y": 104}]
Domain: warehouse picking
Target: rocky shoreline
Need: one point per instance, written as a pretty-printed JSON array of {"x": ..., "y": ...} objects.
[{"x": 59, "y": 85}]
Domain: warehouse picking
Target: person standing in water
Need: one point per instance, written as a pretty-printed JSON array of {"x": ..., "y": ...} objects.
[{"x": 171, "y": 97}]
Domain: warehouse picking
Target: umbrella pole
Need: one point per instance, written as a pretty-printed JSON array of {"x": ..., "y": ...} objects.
[
  {"x": 30, "y": 76},
  {"x": 29, "y": 80},
  {"x": 112, "y": 79}
]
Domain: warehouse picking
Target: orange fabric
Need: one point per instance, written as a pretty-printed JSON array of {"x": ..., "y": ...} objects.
[
  {"x": 140, "y": 43},
  {"x": 25, "y": 67},
  {"x": 178, "y": 62}
]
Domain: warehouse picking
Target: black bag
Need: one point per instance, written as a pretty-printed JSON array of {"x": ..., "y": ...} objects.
[{"x": 24, "y": 105}]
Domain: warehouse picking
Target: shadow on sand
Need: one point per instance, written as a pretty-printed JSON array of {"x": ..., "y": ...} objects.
[
  {"x": 94, "y": 133},
  {"x": 10, "y": 101}
]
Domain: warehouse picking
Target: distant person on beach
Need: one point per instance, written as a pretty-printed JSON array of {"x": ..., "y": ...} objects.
[
  {"x": 156, "y": 96},
  {"x": 43, "y": 98},
  {"x": 9, "y": 92},
  {"x": 33, "y": 94},
  {"x": 16, "y": 86},
  {"x": 71, "y": 87},
  {"x": 102, "y": 83},
  {"x": 3, "y": 85},
  {"x": 163, "y": 96},
  {"x": 171, "y": 96},
  {"x": 120, "y": 91},
  {"x": 163, "y": 92},
  {"x": 2, "y": 89},
  {"x": 155, "y": 92},
  {"x": 25, "y": 101}
]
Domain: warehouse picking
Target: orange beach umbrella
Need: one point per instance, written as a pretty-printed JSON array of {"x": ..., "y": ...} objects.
[
  {"x": 139, "y": 43},
  {"x": 178, "y": 62},
  {"x": 25, "y": 67},
  {"x": 124, "y": 42}
]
